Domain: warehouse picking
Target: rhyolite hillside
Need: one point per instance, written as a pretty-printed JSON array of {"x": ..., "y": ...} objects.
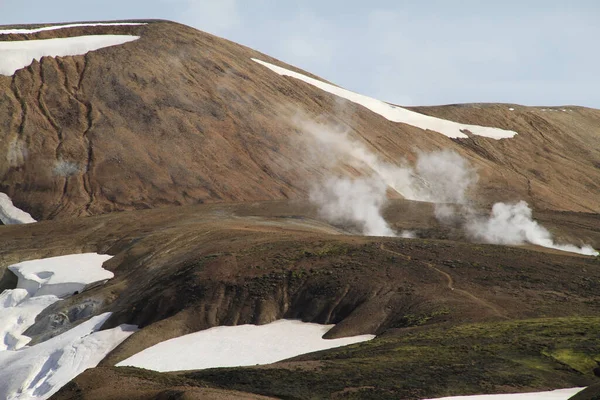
[
  {"x": 181, "y": 117},
  {"x": 204, "y": 153}
]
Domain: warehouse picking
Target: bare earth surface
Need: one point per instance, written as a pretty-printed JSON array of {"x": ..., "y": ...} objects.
[{"x": 181, "y": 117}]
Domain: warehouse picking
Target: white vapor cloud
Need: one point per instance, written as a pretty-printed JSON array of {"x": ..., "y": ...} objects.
[
  {"x": 441, "y": 177},
  {"x": 358, "y": 201},
  {"x": 446, "y": 175},
  {"x": 513, "y": 224},
  {"x": 329, "y": 145}
]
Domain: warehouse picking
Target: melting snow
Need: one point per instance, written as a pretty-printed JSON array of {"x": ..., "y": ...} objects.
[
  {"x": 232, "y": 346},
  {"x": 41, "y": 283},
  {"x": 61, "y": 276},
  {"x": 55, "y": 27},
  {"x": 15, "y": 55},
  {"x": 398, "y": 114},
  {"x": 17, "y": 313},
  {"x": 37, "y": 372},
  {"x": 561, "y": 394},
  {"x": 9, "y": 214}
]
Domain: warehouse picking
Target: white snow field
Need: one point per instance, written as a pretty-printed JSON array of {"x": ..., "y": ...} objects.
[
  {"x": 41, "y": 283},
  {"x": 395, "y": 113},
  {"x": 234, "y": 346},
  {"x": 38, "y": 371},
  {"x": 20, "y": 31},
  {"x": 17, "y": 313},
  {"x": 61, "y": 276},
  {"x": 9, "y": 214},
  {"x": 15, "y": 55},
  {"x": 560, "y": 394}
]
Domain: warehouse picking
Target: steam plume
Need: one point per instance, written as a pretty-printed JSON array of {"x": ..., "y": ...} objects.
[
  {"x": 513, "y": 224},
  {"x": 441, "y": 177},
  {"x": 357, "y": 201}
]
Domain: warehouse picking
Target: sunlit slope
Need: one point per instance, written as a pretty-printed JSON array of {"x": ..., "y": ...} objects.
[{"x": 180, "y": 116}]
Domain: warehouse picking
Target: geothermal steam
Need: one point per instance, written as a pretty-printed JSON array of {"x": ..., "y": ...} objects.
[
  {"x": 512, "y": 224},
  {"x": 358, "y": 201},
  {"x": 441, "y": 177}
]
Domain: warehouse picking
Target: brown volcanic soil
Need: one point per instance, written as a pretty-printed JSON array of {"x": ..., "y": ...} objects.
[
  {"x": 106, "y": 383},
  {"x": 179, "y": 270},
  {"x": 181, "y": 117}
]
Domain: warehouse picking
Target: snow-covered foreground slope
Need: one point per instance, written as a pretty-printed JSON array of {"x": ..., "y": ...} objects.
[
  {"x": 39, "y": 371},
  {"x": 9, "y": 214},
  {"x": 17, "y": 313},
  {"x": 395, "y": 113},
  {"x": 21, "y": 31},
  {"x": 232, "y": 346},
  {"x": 15, "y": 55},
  {"x": 561, "y": 394},
  {"x": 40, "y": 284}
]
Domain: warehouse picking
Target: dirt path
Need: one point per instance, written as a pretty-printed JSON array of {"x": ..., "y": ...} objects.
[{"x": 450, "y": 284}]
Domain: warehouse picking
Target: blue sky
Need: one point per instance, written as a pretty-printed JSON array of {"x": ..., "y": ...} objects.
[{"x": 533, "y": 52}]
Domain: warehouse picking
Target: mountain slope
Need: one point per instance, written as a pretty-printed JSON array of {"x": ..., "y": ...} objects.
[
  {"x": 180, "y": 270},
  {"x": 180, "y": 117},
  {"x": 162, "y": 117}
]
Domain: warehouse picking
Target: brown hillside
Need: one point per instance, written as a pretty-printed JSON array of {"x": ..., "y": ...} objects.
[
  {"x": 181, "y": 117},
  {"x": 183, "y": 269},
  {"x": 179, "y": 270}
]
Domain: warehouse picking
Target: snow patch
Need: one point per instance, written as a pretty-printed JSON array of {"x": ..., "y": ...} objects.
[
  {"x": 398, "y": 114},
  {"x": 40, "y": 284},
  {"x": 19, "y": 31},
  {"x": 17, "y": 313},
  {"x": 11, "y": 215},
  {"x": 242, "y": 345},
  {"x": 15, "y": 55},
  {"x": 61, "y": 276},
  {"x": 511, "y": 109},
  {"x": 560, "y": 394},
  {"x": 39, "y": 371}
]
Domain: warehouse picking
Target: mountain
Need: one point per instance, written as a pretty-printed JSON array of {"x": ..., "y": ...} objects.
[
  {"x": 180, "y": 117},
  {"x": 231, "y": 188}
]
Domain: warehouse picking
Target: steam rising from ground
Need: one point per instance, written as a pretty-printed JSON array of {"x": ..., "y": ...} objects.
[
  {"x": 359, "y": 201},
  {"x": 513, "y": 224},
  {"x": 446, "y": 177},
  {"x": 439, "y": 177},
  {"x": 442, "y": 177}
]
